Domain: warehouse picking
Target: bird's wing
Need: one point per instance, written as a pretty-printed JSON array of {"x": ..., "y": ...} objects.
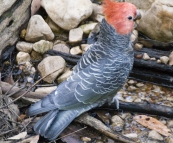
[
  {"x": 92, "y": 55},
  {"x": 89, "y": 85}
]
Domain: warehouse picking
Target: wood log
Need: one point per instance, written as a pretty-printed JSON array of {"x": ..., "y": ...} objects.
[
  {"x": 145, "y": 71},
  {"x": 13, "y": 16}
]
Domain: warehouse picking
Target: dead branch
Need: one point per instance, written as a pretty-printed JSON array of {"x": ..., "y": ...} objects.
[{"x": 98, "y": 125}]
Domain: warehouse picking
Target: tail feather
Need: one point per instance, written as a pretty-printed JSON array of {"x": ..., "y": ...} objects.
[
  {"x": 54, "y": 123},
  {"x": 41, "y": 106},
  {"x": 43, "y": 124}
]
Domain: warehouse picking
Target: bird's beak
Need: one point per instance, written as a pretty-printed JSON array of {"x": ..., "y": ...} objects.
[{"x": 138, "y": 15}]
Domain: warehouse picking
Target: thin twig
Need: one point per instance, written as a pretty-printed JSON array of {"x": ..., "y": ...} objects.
[
  {"x": 29, "y": 89},
  {"x": 70, "y": 133}
]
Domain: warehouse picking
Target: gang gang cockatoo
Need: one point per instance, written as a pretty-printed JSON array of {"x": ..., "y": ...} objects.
[{"x": 99, "y": 74}]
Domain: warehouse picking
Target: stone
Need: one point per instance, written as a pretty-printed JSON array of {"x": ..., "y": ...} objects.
[
  {"x": 86, "y": 139},
  {"x": 64, "y": 76},
  {"x": 49, "y": 65},
  {"x": 171, "y": 59},
  {"x": 53, "y": 26},
  {"x": 42, "y": 46},
  {"x": 139, "y": 85},
  {"x": 5, "y": 5},
  {"x": 131, "y": 135},
  {"x": 75, "y": 35},
  {"x": 158, "y": 15},
  {"x": 75, "y": 50},
  {"x": 170, "y": 124},
  {"x": 87, "y": 28},
  {"x": 45, "y": 90},
  {"x": 146, "y": 57},
  {"x": 132, "y": 88},
  {"x": 61, "y": 47},
  {"x": 155, "y": 135},
  {"x": 38, "y": 29},
  {"x": 131, "y": 82},
  {"x": 159, "y": 61},
  {"x": 138, "y": 46},
  {"x": 27, "y": 68},
  {"x": 67, "y": 14},
  {"x": 36, "y": 56},
  {"x": 23, "y": 57},
  {"x": 164, "y": 59},
  {"x": 97, "y": 12},
  {"x": 117, "y": 123},
  {"x": 134, "y": 36},
  {"x": 85, "y": 47},
  {"x": 152, "y": 59},
  {"x": 24, "y": 46}
]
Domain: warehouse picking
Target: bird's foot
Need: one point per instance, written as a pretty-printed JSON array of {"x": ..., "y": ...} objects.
[{"x": 116, "y": 101}]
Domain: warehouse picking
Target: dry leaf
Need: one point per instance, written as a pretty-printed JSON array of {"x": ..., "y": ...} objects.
[
  {"x": 153, "y": 124},
  {"x": 21, "y": 117},
  {"x": 19, "y": 136},
  {"x": 35, "y": 6}
]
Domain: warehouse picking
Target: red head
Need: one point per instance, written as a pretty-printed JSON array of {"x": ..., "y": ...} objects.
[{"x": 120, "y": 15}]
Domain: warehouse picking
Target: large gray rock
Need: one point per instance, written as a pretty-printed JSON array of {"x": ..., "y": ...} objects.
[
  {"x": 38, "y": 29},
  {"x": 157, "y": 17},
  {"x": 67, "y": 13},
  {"x": 24, "y": 46},
  {"x": 50, "y": 65}
]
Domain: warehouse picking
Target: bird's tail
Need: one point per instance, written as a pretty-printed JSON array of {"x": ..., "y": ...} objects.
[{"x": 53, "y": 123}]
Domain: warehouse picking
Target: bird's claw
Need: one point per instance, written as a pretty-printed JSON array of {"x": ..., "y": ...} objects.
[{"x": 116, "y": 101}]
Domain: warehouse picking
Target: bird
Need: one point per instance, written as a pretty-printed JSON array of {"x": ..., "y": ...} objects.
[{"x": 99, "y": 74}]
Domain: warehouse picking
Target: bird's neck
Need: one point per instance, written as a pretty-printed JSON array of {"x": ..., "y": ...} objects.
[{"x": 109, "y": 38}]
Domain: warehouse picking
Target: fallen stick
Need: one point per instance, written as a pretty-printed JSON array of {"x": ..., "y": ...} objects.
[
  {"x": 147, "y": 108},
  {"x": 99, "y": 126}
]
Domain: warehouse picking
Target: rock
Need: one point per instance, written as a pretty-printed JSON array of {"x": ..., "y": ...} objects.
[
  {"x": 42, "y": 46},
  {"x": 117, "y": 123},
  {"x": 23, "y": 33},
  {"x": 64, "y": 76},
  {"x": 87, "y": 28},
  {"x": 152, "y": 59},
  {"x": 171, "y": 59},
  {"x": 155, "y": 135},
  {"x": 53, "y": 26},
  {"x": 139, "y": 85},
  {"x": 75, "y": 35},
  {"x": 137, "y": 100},
  {"x": 23, "y": 57},
  {"x": 146, "y": 57},
  {"x": 138, "y": 46},
  {"x": 169, "y": 140},
  {"x": 85, "y": 47},
  {"x": 67, "y": 14},
  {"x": 38, "y": 29},
  {"x": 125, "y": 115},
  {"x": 27, "y": 68},
  {"x": 99, "y": 18},
  {"x": 49, "y": 65},
  {"x": 131, "y": 88},
  {"x": 131, "y": 82},
  {"x": 36, "y": 56},
  {"x": 97, "y": 12},
  {"x": 158, "y": 61},
  {"x": 85, "y": 139},
  {"x": 134, "y": 36},
  {"x": 131, "y": 135},
  {"x": 158, "y": 15},
  {"x": 170, "y": 124},
  {"x": 61, "y": 47},
  {"x": 164, "y": 59},
  {"x": 75, "y": 50},
  {"x": 130, "y": 98},
  {"x": 24, "y": 47},
  {"x": 46, "y": 90}
]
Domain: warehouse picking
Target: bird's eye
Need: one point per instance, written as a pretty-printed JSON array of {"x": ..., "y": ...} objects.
[{"x": 130, "y": 18}]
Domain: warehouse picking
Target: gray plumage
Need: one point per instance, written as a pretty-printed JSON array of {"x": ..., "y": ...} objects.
[{"x": 99, "y": 74}]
